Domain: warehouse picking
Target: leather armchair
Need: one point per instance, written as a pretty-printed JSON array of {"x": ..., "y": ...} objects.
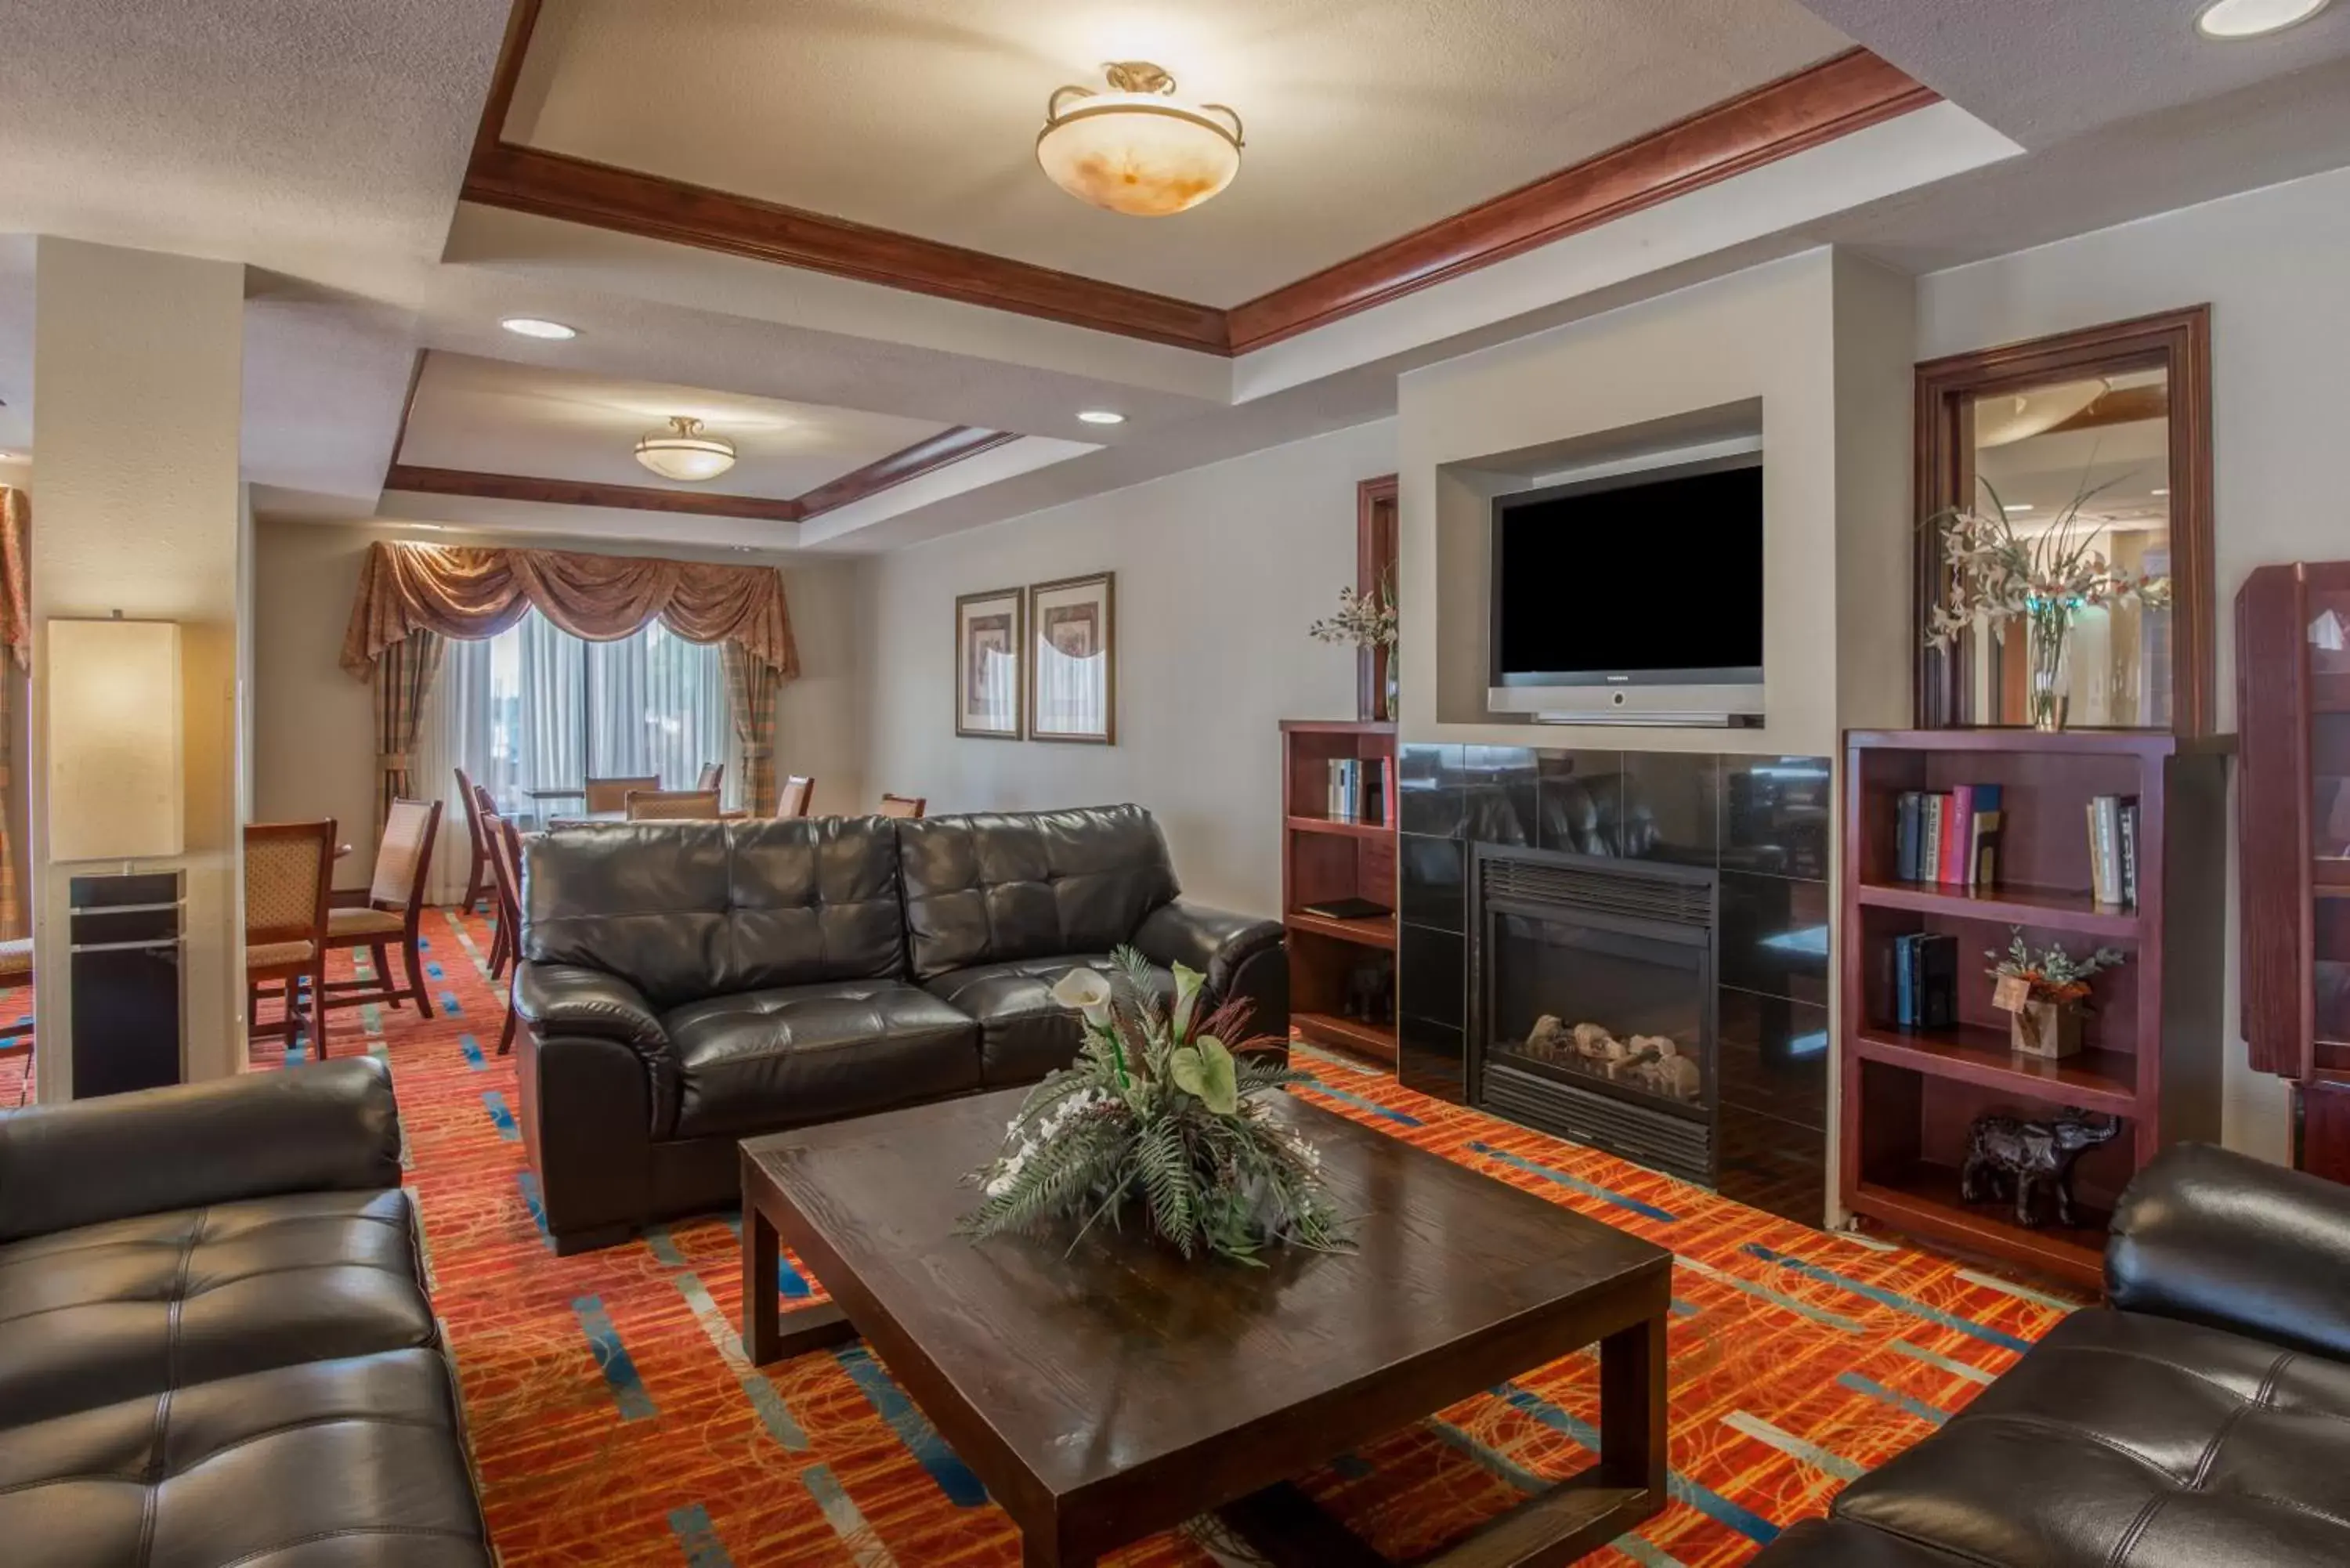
[{"x": 2202, "y": 1417}]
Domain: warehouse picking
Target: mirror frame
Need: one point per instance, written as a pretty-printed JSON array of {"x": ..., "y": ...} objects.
[{"x": 2177, "y": 342}]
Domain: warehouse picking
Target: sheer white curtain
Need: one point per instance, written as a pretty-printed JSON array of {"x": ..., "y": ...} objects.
[{"x": 536, "y": 708}]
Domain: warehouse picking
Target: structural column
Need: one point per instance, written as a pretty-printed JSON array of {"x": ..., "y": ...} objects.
[{"x": 138, "y": 376}]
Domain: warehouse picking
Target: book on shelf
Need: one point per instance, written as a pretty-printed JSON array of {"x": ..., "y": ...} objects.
[
  {"x": 1948, "y": 837},
  {"x": 1347, "y": 909},
  {"x": 1361, "y": 791},
  {"x": 2113, "y": 849},
  {"x": 1925, "y": 979}
]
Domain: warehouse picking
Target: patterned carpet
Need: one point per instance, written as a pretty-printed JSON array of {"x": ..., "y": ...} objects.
[{"x": 616, "y": 1422}]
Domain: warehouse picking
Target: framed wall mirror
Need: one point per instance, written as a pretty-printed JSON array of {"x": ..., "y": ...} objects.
[{"x": 2101, "y": 440}]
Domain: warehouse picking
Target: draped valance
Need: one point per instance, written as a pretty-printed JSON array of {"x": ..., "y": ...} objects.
[{"x": 469, "y": 593}]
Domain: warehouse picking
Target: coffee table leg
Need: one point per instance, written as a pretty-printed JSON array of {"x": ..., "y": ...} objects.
[
  {"x": 1632, "y": 1407},
  {"x": 762, "y": 1332}
]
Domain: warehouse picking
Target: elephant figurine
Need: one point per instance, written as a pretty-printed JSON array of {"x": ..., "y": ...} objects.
[{"x": 2033, "y": 1155}]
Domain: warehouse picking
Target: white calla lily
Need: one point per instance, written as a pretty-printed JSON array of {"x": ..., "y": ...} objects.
[{"x": 1085, "y": 990}]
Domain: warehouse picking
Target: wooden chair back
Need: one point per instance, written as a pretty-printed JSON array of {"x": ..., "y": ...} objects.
[
  {"x": 797, "y": 795},
  {"x": 908, "y": 807},
  {"x": 470, "y": 796},
  {"x": 403, "y": 859},
  {"x": 288, "y": 868},
  {"x": 673, "y": 805},
  {"x": 505, "y": 865},
  {"x": 713, "y": 774},
  {"x": 612, "y": 794}
]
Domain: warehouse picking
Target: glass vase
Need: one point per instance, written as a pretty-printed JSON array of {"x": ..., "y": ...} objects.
[
  {"x": 1391, "y": 688},
  {"x": 2048, "y": 646}
]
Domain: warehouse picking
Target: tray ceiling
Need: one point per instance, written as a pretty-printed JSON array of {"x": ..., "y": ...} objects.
[{"x": 920, "y": 115}]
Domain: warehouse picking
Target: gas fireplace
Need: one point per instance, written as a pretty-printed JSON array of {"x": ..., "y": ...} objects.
[{"x": 1592, "y": 1010}]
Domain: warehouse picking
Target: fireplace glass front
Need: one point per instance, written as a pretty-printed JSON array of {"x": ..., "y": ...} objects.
[{"x": 1603, "y": 1006}]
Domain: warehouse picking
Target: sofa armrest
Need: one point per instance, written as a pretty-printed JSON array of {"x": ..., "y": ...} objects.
[
  {"x": 1214, "y": 941},
  {"x": 327, "y": 1125},
  {"x": 592, "y": 1003},
  {"x": 2222, "y": 1239}
]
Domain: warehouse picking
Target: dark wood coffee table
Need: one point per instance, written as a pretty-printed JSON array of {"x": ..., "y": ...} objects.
[{"x": 1111, "y": 1393}]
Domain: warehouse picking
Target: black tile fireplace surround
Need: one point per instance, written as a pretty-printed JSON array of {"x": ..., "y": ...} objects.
[{"x": 1759, "y": 824}]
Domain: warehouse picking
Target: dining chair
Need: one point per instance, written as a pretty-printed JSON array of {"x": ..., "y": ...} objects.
[
  {"x": 713, "y": 774},
  {"x": 612, "y": 794},
  {"x": 388, "y": 910},
  {"x": 798, "y": 793},
  {"x": 505, "y": 860},
  {"x": 477, "y": 870},
  {"x": 287, "y": 868},
  {"x": 672, "y": 806},
  {"x": 906, "y": 805}
]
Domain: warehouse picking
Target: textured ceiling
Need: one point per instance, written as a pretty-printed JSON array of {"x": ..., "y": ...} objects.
[
  {"x": 490, "y": 416},
  {"x": 1364, "y": 120},
  {"x": 2043, "y": 70}
]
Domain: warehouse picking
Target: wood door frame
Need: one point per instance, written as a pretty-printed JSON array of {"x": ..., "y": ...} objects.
[{"x": 2177, "y": 342}]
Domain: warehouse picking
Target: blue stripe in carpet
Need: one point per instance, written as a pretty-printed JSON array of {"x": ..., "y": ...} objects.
[
  {"x": 1360, "y": 1103},
  {"x": 1576, "y": 1183},
  {"x": 501, "y": 1117},
  {"x": 1703, "y": 1499},
  {"x": 698, "y": 1538},
  {"x": 914, "y": 1429},
  {"x": 612, "y": 1359},
  {"x": 1889, "y": 1298},
  {"x": 1895, "y": 1398},
  {"x": 535, "y": 1201},
  {"x": 472, "y": 1050}
]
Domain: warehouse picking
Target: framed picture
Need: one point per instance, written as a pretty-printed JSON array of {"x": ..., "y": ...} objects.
[
  {"x": 989, "y": 637},
  {"x": 1073, "y": 649}
]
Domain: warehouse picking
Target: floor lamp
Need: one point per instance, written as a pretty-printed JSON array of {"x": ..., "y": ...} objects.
[{"x": 117, "y": 797}]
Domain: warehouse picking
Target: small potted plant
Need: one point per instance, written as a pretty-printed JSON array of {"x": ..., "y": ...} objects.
[
  {"x": 1368, "y": 620},
  {"x": 2044, "y": 994}
]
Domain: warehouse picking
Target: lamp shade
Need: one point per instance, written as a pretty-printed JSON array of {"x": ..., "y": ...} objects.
[
  {"x": 1136, "y": 149},
  {"x": 115, "y": 786}
]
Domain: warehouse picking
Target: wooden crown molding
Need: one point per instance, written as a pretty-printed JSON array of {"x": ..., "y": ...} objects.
[
  {"x": 1835, "y": 98},
  {"x": 925, "y": 456}
]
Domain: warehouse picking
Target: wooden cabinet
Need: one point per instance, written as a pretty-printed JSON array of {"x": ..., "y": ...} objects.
[
  {"x": 2292, "y": 836},
  {"x": 2154, "y": 1051}
]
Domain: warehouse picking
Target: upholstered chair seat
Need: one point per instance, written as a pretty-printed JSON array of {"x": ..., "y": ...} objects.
[{"x": 364, "y": 922}]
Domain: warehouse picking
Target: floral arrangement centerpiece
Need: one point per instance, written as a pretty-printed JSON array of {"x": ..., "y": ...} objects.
[
  {"x": 2046, "y": 994},
  {"x": 1367, "y": 620},
  {"x": 1159, "y": 1115},
  {"x": 2045, "y": 576}
]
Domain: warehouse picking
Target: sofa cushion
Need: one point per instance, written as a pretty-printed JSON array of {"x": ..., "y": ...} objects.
[
  {"x": 688, "y": 909},
  {"x": 333, "y": 1463},
  {"x": 1024, "y": 1033},
  {"x": 135, "y": 1307},
  {"x": 995, "y": 888},
  {"x": 761, "y": 1060},
  {"x": 2124, "y": 1437}
]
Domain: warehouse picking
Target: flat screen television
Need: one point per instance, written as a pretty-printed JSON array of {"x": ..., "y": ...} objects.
[{"x": 1635, "y": 598}]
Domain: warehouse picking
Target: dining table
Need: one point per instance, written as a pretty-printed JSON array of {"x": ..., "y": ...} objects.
[{"x": 601, "y": 818}]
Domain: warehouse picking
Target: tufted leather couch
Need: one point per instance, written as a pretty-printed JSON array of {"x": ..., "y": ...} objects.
[
  {"x": 214, "y": 1343},
  {"x": 686, "y": 985},
  {"x": 2202, "y": 1419}
]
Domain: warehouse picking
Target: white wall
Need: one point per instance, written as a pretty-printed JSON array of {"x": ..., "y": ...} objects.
[
  {"x": 314, "y": 726},
  {"x": 1219, "y": 571},
  {"x": 2273, "y": 264}
]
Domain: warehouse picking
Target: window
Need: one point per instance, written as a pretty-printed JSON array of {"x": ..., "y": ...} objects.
[{"x": 536, "y": 708}]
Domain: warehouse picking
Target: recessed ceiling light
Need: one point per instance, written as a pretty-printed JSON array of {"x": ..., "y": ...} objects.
[
  {"x": 7, "y": 457},
  {"x": 2253, "y": 18},
  {"x": 2019, "y": 506},
  {"x": 1102, "y": 416},
  {"x": 2162, "y": 492},
  {"x": 538, "y": 326}
]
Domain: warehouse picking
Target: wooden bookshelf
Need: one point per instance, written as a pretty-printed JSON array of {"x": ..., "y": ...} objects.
[
  {"x": 2154, "y": 1040},
  {"x": 1324, "y": 860}
]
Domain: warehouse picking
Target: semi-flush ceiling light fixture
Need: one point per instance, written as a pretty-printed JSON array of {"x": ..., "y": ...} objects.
[
  {"x": 684, "y": 452},
  {"x": 538, "y": 326},
  {"x": 2252, "y": 18},
  {"x": 1134, "y": 149}
]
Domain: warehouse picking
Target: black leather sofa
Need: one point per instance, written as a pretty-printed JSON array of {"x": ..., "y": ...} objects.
[
  {"x": 686, "y": 985},
  {"x": 2200, "y": 1420},
  {"x": 214, "y": 1343}
]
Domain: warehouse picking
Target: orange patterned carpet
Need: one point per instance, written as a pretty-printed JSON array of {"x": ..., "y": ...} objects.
[{"x": 615, "y": 1421}]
